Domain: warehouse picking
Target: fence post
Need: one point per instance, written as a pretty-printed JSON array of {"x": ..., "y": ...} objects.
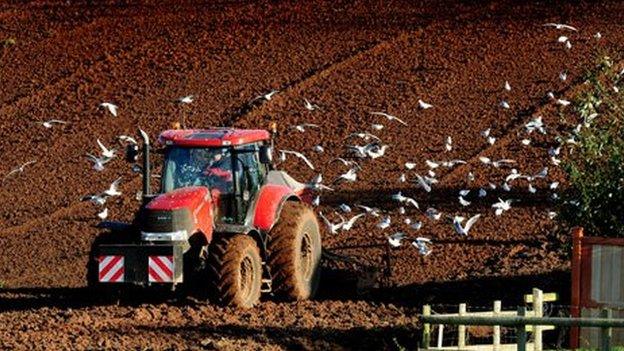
[
  {"x": 496, "y": 337},
  {"x": 605, "y": 337},
  {"x": 461, "y": 329},
  {"x": 426, "y": 335},
  {"x": 521, "y": 330},
  {"x": 538, "y": 310},
  {"x": 575, "y": 309}
]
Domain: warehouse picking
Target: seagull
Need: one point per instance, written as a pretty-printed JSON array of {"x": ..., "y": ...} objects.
[
  {"x": 448, "y": 144},
  {"x": 504, "y": 104},
  {"x": 532, "y": 189},
  {"x": 416, "y": 225},
  {"x": 345, "y": 208},
  {"x": 266, "y": 96},
  {"x": 350, "y": 176},
  {"x": 309, "y": 106},
  {"x": 553, "y": 185},
  {"x": 349, "y": 224},
  {"x": 423, "y": 183},
  {"x": 98, "y": 162},
  {"x": 410, "y": 165},
  {"x": 563, "y": 39},
  {"x": 507, "y": 86},
  {"x": 316, "y": 201},
  {"x": 96, "y": 199},
  {"x": 432, "y": 213},
  {"x": 395, "y": 239},
  {"x": 112, "y": 108},
  {"x": 385, "y": 223},
  {"x": 347, "y": 163},
  {"x": 318, "y": 148},
  {"x": 404, "y": 199},
  {"x": 377, "y": 126},
  {"x": 560, "y": 26},
  {"x": 563, "y": 76},
  {"x": 297, "y": 154},
  {"x": 421, "y": 244},
  {"x": 389, "y": 117},
  {"x": 19, "y": 169},
  {"x": 376, "y": 151},
  {"x": 432, "y": 164},
  {"x": 464, "y": 202},
  {"x": 482, "y": 192},
  {"x": 363, "y": 135},
  {"x": 496, "y": 164},
  {"x": 402, "y": 178},
  {"x": 370, "y": 210},
  {"x": 526, "y": 142},
  {"x": 598, "y": 36},
  {"x": 186, "y": 99},
  {"x": 535, "y": 124},
  {"x": 464, "y": 192},
  {"x": 423, "y": 105},
  {"x": 463, "y": 230},
  {"x": 301, "y": 127},
  {"x": 333, "y": 227},
  {"x": 49, "y": 124},
  {"x": 104, "y": 214},
  {"x": 562, "y": 102},
  {"x": 127, "y": 139},
  {"x": 112, "y": 189},
  {"x": 501, "y": 206},
  {"x": 452, "y": 163},
  {"x": 106, "y": 152}
]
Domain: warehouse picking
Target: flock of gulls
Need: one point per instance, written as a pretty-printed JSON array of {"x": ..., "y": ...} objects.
[{"x": 367, "y": 145}]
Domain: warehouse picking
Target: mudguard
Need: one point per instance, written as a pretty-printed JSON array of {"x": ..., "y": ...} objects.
[{"x": 270, "y": 200}]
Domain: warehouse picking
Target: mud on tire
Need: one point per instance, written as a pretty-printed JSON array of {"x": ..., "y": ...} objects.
[
  {"x": 234, "y": 271},
  {"x": 295, "y": 253}
]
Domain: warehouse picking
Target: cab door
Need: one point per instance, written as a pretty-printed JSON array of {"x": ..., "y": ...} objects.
[{"x": 249, "y": 178}]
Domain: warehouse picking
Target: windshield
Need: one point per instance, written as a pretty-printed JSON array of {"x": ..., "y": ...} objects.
[{"x": 210, "y": 167}]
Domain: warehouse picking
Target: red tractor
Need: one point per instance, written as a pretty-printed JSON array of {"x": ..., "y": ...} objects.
[{"x": 225, "y": 221}]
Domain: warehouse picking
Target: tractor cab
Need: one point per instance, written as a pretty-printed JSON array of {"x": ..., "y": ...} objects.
[{"x": 232, "y": 164}]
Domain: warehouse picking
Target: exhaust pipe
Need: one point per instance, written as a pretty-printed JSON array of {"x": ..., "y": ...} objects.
[{"x": 146, "y": 164}]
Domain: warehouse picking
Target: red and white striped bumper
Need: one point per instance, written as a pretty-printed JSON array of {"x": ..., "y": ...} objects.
[
  {"x": 160, "y": 269},
  {"x": 111, "y": 269}
]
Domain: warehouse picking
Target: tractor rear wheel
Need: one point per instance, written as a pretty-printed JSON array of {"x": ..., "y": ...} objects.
[
  {"x": 295, "y": 253},
  {"x": 234, "y": 270}
]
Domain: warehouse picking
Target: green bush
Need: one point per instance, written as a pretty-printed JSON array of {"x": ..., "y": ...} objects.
[{"x": 595, "y": 155}]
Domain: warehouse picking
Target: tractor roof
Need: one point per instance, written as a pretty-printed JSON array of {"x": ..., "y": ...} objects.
[{"x": 212, "y": 137}]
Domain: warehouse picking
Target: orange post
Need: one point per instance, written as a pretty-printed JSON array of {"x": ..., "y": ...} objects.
[{"x": 575, "y": 310}]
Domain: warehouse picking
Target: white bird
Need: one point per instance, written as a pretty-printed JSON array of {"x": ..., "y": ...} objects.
[
  {"x": 452, "y": 163},
  {"x": 186, "y": 99},
  {"x": 404, "y": 199},
  {"x": 410, "y": 165},
  {"x": 507, "y": 86},
  {"x": 112, "y": 108},
  {"x": 104, "y": 214},
  {"x": 535, "y": 124},
  {"x": 316, "y": 201},
  {"x": 448, "y": 144},
  {"x": 432, "y": 164},
  {"x": 267, "y": 96},
  {"x": 464, "y": 202},
  {"x": 554, "y": 151},
  {"x": 598, "y": 36},
  {"x": 491, "y": 140},
  {"x": 402, "y": 178},
  {"x": 501, "y": 206},
  {"x": 486, "y": 133},
  {"x": 50, "y": 123},
  {"x": 504, "y": 104},
  {"x": 395, "y": 239},
  {"x": 108, "y": 153},
  {"x": 363, "y": 135},
  {"x": 470, "y": 177},
  {"x": 526, "y": 142},
  {"x": 385, "y": 223},
  {"x": 563, "y": 39},
  {"x": 345, "y": 208},
  {"x": 506, "y": 187},
  {"x": 482, "y": 192},
  {"x": 464, "y": 192},
  {"x": 19, "y": 169},
  {"x": 423, "y": 183},
  {"x": 532, "y": 189},
  {"x": 377, "y": 126},
  {"x": 376, "y": 151},
  {"x": 416, "y": 225},
  {"x": 315, "y": 184},
  {"x": 370, "y": 210},
  {"x": 432, "y": 213},
  {"x": 112, "y": 189},
  {"x": 423, "y": 105},
  {"x": 318, "y": 148},
  {"x": 422, "y": 245},
  {"x": 496, "y": 164},
  {"x": 333, "y": 227},
  {"x": 347, "y": 163},
  {"x": 568, "y": 45},
  {"x": 389, "y": 117},
  {"x": 347, "y": 225},
  {"x": 553, "y": 185},
  {"x": 95, "y": 199},
  {"x": 98, "y": 162},
  {"x": 563, "y": 76},
  {"x": 127, "y": 139},
  {"x": 350, "y": 176},
  {"x": 560, "y": 26},
  {"x": 302, "y": 127},
  {"x": 299, "y": 155},
  {"x": 309, "y": 106},
  {"x": 463, "y": 230},
  {"x": 562, "y": 102}
]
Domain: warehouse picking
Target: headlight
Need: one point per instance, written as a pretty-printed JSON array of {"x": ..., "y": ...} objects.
[{"x": 167, "y": 236}]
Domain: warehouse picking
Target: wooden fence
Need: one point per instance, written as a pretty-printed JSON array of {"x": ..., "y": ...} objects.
[{"x": 536, "y": 299}]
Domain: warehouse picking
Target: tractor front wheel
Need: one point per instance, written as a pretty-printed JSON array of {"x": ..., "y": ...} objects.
[
  {"x": 295, "y": 253},
  {"x": 234, "y": 270}
]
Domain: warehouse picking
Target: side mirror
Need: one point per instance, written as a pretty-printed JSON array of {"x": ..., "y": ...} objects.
[
  {"x": 266, "y": 154},
  {"x": 132, "y": 153}
]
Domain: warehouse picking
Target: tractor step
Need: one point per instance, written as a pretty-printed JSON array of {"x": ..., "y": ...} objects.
[{"x": 266, "y": 286}]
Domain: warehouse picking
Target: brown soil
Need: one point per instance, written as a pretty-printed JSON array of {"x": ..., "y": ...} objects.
[{"x": 349, "y": 57}]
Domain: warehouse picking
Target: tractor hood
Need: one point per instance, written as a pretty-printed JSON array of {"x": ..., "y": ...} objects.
[
  {"x": 178, "y": 215},
  {"x": 184, "y": 198}
]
